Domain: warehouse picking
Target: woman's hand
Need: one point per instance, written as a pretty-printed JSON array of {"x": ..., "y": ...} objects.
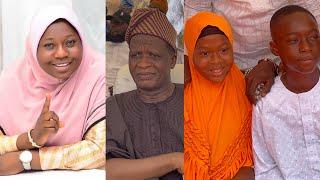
[
  {"x": 47, "y": 124},
  {"x": 10, "y": 164}
]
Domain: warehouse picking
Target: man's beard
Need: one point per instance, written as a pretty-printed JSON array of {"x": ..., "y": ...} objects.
[{"x": 119, "y": 38}]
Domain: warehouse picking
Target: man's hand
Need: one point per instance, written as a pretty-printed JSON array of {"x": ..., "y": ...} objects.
[
  {"x": 260, "y": 80},
  {"x": 178, "y": 161}
]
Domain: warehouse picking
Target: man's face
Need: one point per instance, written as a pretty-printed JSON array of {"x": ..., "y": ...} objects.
[
  {"x": 117, "y": 31},
  {"x": 296, "y": 41},
  {"x": 150, "y": 61}
]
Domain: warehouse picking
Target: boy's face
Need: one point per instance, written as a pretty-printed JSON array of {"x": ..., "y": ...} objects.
[{"x": 296, "y": 40}]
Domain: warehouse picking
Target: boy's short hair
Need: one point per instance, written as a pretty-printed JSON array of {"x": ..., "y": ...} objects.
[{"x": 287, "y": 10}]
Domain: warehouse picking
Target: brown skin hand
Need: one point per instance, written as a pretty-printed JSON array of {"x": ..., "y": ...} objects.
[
  {"x": 48, "y": 123},
  {"x": 10, "y": 163},
  {"x": 244, "y": 173},
  {"x": 263, "y": 73},
  {"x": 151, "y": 167}
]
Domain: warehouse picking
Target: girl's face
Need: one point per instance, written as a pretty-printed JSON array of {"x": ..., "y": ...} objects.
[
  {"x": 213, "y": 57},
  {"x": 59, "y": 51}
]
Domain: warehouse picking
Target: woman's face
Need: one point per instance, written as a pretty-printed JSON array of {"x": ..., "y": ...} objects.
[
  {"x": 59, "y": 51},
  {"x": 213, "y": 57}
]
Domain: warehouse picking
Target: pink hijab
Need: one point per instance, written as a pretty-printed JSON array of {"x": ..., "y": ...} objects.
[{"x": 79, "y": 101}]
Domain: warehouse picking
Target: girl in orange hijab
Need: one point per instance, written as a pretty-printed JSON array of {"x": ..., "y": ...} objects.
[{"x": 217, "y": 112}]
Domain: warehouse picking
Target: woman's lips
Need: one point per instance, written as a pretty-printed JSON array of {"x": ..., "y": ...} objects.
[{"x": 62, "y": 67}]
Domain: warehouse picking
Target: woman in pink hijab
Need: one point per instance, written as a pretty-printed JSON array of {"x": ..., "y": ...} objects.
[{"x": 52, "y": 101}]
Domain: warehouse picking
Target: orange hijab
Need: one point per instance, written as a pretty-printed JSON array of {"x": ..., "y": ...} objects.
[{"x": 217, "y": 129}]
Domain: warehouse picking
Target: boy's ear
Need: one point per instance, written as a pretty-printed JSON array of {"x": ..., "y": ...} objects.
[{"x": 274, "y": 48}]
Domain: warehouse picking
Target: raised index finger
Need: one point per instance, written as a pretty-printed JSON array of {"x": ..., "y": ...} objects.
[{"x": 46, "y": 105}]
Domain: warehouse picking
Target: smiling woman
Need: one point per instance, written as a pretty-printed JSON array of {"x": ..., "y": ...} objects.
[
  {"x": 54, "y": 117},
  {"x": 60, "y": 49}
]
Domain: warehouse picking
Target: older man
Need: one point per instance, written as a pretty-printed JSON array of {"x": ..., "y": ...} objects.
[{"x": 145, "y": 126}]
